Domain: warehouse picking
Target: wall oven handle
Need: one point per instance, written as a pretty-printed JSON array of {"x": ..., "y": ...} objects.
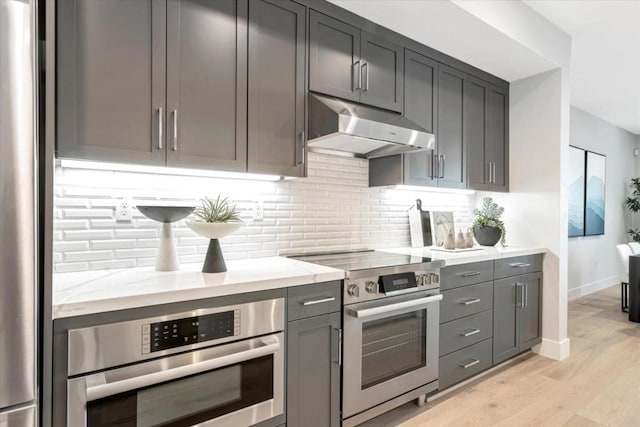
[
  {"x": 270, "y": 346},
  {"x": 412, "y": 304}
]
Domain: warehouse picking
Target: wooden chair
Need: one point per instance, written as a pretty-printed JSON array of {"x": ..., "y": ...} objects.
[{"x": 624, "y": 251}]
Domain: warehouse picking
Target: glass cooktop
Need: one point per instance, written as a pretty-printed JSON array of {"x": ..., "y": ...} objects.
[{"x": 360, "y": 259}]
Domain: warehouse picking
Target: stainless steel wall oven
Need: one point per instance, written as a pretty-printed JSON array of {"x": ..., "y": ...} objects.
[{"x": 220, "y": 366}]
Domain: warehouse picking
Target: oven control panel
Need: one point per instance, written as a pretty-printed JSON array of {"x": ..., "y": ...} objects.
[
  {"x": 190, "y": 330},
  {"x": 377, "y": 287}
]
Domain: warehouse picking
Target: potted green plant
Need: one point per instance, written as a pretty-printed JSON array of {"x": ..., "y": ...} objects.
[
  {"x": 488, "y": 229},
  {"x": 633, "y": 204},
  {"x": 215, "y": 219}
]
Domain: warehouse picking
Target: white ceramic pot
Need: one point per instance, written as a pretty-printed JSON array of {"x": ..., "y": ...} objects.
[{"x": 214, "y": 230}]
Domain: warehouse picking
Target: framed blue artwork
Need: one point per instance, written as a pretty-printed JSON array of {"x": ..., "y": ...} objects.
[
  {"x": 577, "y": 162},
  {"x": 595, "y": 194}
]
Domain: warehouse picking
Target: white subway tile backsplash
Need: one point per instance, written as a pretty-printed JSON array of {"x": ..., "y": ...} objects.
[{"x": 332, "y": 209}]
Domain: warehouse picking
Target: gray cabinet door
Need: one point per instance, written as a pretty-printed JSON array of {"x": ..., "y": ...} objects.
[
  {"x": 207, "y": 84},
  {"x": 497, "y": 142},
  {"x": 450, "y": 137},
  {"x": 530, "y": 319},
  {"x": 313, "y": 372},
  {"x": 505, "y": 319},
  {"x": 276, "y": 120},
  {"x": 111, "y": 80},
  {"x": 475, "y": 133},
  {"x": 382, "y": 73},
  {"x": 420, "y": 83},
  {"x": 334, "y": 57}
]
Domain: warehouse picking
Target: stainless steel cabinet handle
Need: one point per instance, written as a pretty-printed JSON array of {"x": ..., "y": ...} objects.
[
  {"x": 441, "y": 170},
  {"x": 471, "y": 301},
  {"x": 494, "y": 172},
  {"x": 317, "y": 301},
  {"x": 469, "y": 333},
  {"x": 160, "y": 128},
  {"x": 357, "y": 76},
  {"x": 470, "y": 364},
  {"x": 520, "y": 265},
  {"x": 416, "y": 304},
  {"x": 339, "y": 346},
  {"x": 471, "y": 274},
  {"x": 521, "y": 287},
  {"x": 174, "y": 113},
  {"x": 433, "y": 166},
  {"x": 302, "y": 148},
  {"x": 490, "y": 172},
  {"x": 525, "y": 286},
  {"x": 270, "y": 346},
  {"x": 365, "y": 69}
]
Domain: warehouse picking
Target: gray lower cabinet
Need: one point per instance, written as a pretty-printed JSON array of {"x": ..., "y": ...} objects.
[
  {"x": 464, "y": 363},
  {"x": 517, "y": 321},
  {"x": 313, "y": 371},
  {"x": 111, "y": 80},
  {"x": 276, "y": 113},
  {"x": 314, "y": 354},
  {"x": 353, "y": 64},
  {"x": 207, "y": 84}
]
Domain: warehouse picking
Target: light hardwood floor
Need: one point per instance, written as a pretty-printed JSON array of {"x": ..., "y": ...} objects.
[{"x": 598, "y": 385}]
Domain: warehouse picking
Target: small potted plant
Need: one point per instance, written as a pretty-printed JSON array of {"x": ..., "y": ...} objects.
[
  {"x": 215, "y": 219},
  {"x": 488, "y": 229}
]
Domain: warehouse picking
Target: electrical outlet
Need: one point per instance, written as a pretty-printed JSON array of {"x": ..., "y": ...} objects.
[
  {"x": 123, "y": 209},
  {"x": 258, "y": 210}
]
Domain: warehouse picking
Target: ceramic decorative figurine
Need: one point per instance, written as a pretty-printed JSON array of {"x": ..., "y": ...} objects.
[
  {"x": 468, "y": 237},
  {"x": 461, "y": 243},
  {"x": 450, "y": 241}
]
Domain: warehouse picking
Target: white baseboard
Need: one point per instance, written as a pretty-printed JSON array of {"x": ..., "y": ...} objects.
[
  {"x": 556, "y": 350},
  {"x": 592, "y": 287}
]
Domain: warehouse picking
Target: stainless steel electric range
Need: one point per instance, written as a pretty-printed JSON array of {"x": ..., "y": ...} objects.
[{"x": 391, "y": 308}]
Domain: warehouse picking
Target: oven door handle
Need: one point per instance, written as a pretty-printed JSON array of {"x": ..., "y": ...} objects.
[
  {"x": 397, "y": 307},
  {"x": 270, "y": 345}
]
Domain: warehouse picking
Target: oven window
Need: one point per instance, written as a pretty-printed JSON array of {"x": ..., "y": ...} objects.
[
  {"x": 189, "y": 400},
  {"x": 393, "y": 346}
]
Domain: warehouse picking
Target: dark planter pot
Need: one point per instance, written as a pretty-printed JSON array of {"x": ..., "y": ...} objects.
[{"x": 487, "y": 236}]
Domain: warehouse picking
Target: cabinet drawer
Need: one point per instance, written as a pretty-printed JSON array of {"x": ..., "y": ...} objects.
[
  {"x": 465, "y": 274},
  {"x": 464, "y": 363},
  {"x": 462, "y": 302},
  {"x": 516, "y": 266},
  {"x": 464, "y": 332},
  {"x": 313, "y": 300}
]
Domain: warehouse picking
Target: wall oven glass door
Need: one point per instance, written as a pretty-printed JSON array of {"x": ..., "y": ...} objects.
[
  {"x": 233, "y": 384},
  {"x": 391, "y": 347}
]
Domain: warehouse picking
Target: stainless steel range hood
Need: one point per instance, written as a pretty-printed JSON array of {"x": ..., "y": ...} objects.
[{"x": 345, "y": 128}]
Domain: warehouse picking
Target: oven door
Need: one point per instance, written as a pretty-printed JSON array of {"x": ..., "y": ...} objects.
[
  {"x": 390, "y": 348},
  {"x": 229, "y": 385}
]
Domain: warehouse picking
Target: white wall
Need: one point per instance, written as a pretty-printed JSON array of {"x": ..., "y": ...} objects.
[
  {"x": 593, "y": 260},
  {"x": 333, "y": 208}
]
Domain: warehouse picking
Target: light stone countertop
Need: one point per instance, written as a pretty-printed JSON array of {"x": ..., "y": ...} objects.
[
  {"x": 91, "y": 292},
  {"x": 483, "y": 253},
  {"x": 83, "y": 293}
]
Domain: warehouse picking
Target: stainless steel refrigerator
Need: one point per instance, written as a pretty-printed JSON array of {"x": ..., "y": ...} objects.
[{"x": 18, "y": 191}]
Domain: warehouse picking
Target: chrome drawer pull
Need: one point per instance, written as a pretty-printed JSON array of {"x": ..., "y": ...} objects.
[
  {"x": 469, "y": 333},
  {"x": 317, "y": 301},
  {"x": 520, "y": 265},
  {"x": 474, "y": 273},
  {"x": 471, "y": 301},
  {"x": 470, "y": 364}
]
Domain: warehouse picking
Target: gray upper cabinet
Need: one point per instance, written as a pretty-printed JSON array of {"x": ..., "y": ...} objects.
[
  {"x": 451, "y": 156},
  {"x": 334, "y": 57},
  {"x": 276, "y": 113},
  {"x": 516, "y": 323},
  {"x": 382, "y": 73},
  {"x": 111, "y": 80},
  {"x": 486, "y": 135},
  {"x": 207, "y": 84},
  {"x": 497, "y": 143},
  {"x": 349, "y": 63},
  {"x": 420, "y": 83}
]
